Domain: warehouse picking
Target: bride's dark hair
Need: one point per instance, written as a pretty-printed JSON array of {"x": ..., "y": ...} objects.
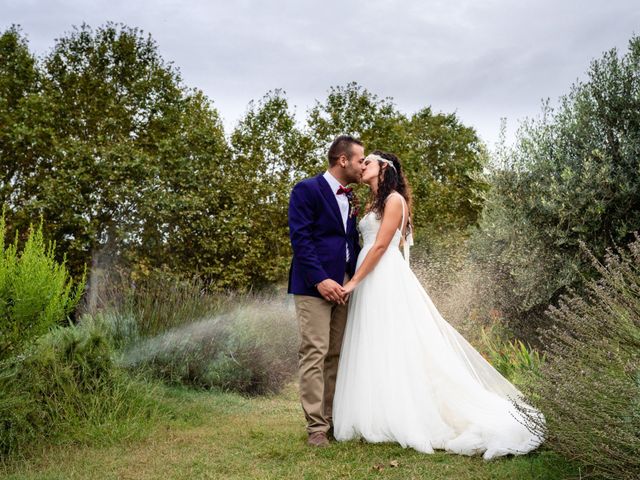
[{"x": 390, "y": 180}]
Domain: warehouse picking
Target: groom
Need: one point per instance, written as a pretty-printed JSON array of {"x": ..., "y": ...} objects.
[{"x": 322, "y": 228}]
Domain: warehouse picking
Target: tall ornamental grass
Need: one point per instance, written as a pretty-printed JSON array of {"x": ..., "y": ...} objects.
[
  {"x": 66, "y": 388},
  {"x": 514, "y": 359}
]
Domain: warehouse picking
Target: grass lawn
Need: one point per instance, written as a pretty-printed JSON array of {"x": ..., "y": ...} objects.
[{"x": 216, "y": 435}]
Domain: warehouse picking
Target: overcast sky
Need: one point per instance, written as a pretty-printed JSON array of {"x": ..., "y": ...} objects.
[{"x": 483, "y": 59}]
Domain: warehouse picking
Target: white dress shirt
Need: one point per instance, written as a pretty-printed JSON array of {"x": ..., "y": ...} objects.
[{"x": 343, "y": 201}]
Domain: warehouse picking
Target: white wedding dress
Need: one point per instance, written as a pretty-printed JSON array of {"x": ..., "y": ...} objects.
[{"x": 407, "y": 376}]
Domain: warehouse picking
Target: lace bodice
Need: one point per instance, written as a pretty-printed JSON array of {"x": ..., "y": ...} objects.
[{"x": 369, "y": 226}]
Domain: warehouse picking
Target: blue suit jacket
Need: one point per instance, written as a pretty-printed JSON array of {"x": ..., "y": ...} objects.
[{"x": 318, "y": 237}]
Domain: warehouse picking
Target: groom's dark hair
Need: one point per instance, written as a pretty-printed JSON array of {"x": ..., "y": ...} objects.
[{"x": 341, "y": 146}]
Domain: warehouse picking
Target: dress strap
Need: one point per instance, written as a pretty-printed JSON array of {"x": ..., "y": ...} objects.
[
  {"x": 402, "y": 223},
  {"x": 408, "y": 241},
  {"x": 402, "y": 200}
]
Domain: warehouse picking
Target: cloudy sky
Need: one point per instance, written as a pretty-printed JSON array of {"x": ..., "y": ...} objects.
[{"x": 484, "y": 59}]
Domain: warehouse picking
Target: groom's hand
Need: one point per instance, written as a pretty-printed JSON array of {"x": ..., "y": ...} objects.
[{"x": 331, "y": 291}]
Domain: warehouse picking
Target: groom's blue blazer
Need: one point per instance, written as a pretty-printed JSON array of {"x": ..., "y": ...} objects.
[{"x": 318, "y": 237}]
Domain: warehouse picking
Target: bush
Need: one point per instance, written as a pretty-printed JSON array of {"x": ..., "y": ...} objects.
[
  {"x": 572, "y": 177},
  {"x": 66, "y": 387},
  {"x": 36, "y": 292},
  {"x": 179, "y": 332},
  {"x": 589, "y": 388},
  {"x": 252, "y": 349}
]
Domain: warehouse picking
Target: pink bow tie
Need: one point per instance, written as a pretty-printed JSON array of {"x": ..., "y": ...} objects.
[{"x": 344, "y": 190}]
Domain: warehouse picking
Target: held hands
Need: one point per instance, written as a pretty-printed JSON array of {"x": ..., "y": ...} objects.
[
  {"x": 332, "y": 291},
  {"x": 349, "y": 287}
]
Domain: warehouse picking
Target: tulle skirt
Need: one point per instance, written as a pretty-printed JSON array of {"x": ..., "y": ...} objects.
[{"x": 407, "y": 376}]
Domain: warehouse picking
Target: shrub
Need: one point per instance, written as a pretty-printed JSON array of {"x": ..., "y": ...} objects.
[
  {"x": 179, "y": 332},
  {"x": 36, "y": 292},
  {"x": 589, "y": 388},
  {"x": 572, "y": 177},
  {"x": 252, "y": 349}
]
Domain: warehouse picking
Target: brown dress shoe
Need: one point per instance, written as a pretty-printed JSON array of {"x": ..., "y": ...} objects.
[
  {"x": 318, "y": 439},
  {"x": 330, "y": 435}
]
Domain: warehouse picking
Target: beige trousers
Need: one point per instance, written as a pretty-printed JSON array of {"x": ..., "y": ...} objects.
[{"x": 321, "y": 324}]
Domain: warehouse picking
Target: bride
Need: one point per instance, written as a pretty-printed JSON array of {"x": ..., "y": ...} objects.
[{"x": 405, "y": 374}]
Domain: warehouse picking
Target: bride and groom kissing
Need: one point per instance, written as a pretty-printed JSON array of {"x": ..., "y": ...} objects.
[{"x": 376, "y": 359}]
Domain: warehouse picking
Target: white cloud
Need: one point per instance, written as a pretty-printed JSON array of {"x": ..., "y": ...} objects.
[{"x": 483, "y": 59}]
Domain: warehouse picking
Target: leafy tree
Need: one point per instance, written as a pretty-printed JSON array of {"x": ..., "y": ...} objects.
[
  {"x": 184, "y": 213},
  {"x": 354, "y": 110},
  {"x": 120, "y": 156},
  {"x": 444, "y": 161},
  {"x": 18, "y": 82},
  {"x": 270, "y": 156},
  {"x": 125, "y": 164},
  {"x": 113, "y": 101},
  {"x": 442, "y": 157}
]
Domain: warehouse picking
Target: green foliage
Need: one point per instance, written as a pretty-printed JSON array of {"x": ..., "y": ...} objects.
[
  {"x": 511, "y": 357},
  {"x": 128, "y": 166},
  {"x": 18, "y": 80},
  {"x": 180, "y": 332},
  {"x": 66, "y": 388},
  {"x": 188, "y": 222},
  {"x": 353, "y": 109},
  {"x": 36, "y": 292},
  {"x": 589, "y": 388},
  {"x": 120, "y": 158},
  {"x": 251, "y": 349},
  {"x": 270, "y": 156},
  {"x": 572, "y": 177},
  {"x": 148, "y": 306},
  {"x": 443, "y": 159}
]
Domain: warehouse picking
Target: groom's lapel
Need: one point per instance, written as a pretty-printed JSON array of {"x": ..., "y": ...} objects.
[
  {"x": 351, "y": 221},
  {"x": 330, "y": 197}
]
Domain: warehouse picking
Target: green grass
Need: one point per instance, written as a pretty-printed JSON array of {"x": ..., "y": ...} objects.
[{"x": 211, "y": 435}]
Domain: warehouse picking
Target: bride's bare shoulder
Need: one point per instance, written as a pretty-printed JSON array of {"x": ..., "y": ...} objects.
[{"x": 394, "y": 197}]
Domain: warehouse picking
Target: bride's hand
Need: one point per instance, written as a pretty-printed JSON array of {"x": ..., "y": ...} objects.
[{"x": 349, "y": 287}]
